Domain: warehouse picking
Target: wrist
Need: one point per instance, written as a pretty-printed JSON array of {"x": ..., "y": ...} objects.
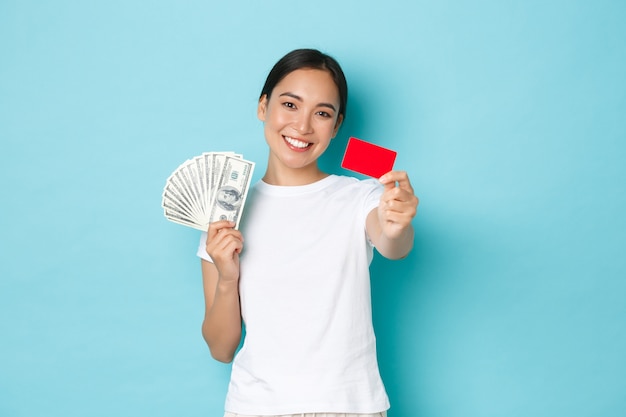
[{"x": 227, "y": 285}]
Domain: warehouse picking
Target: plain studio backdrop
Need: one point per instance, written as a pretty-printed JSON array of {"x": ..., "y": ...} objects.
[{"x": 508, "y": 115}]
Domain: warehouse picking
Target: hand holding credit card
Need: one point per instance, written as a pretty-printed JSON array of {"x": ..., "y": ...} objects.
[{"x": 366, "y": 158}]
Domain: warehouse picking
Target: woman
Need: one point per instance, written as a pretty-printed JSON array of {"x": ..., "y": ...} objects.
[{"x": 301, "y": 285}]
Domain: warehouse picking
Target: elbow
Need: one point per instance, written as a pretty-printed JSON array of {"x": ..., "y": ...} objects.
[
  {"x": 219, "y": 351},
  {"x": 220, "y": 356},
  {"x": 395, "y": 256}
]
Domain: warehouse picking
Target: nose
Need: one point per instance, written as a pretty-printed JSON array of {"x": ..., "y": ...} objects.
[{"x": 302, "y": 124}]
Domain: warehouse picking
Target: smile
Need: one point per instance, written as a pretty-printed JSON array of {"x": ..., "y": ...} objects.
[{"x": 295, "y": 143}]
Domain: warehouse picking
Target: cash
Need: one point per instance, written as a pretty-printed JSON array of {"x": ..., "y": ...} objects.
[{"x": 206, "y": 188}]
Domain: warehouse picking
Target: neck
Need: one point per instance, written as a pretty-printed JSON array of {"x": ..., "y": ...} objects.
[{"x": 292, "y": 177}]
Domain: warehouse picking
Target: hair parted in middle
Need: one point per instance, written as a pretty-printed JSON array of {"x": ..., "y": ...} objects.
[{"x": 308, "y": 59}]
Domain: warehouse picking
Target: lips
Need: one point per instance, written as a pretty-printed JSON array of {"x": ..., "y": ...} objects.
[{"x": 296, "y": 144}]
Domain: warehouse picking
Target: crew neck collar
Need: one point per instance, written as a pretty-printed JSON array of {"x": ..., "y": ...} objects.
[{"x": 296, "y": 189}]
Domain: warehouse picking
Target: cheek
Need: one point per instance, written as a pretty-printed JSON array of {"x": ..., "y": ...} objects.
[
  {"x": 327, "y": 128},
  {"x": 283, "y": 117},
  {"x": 277, "y": 119}
]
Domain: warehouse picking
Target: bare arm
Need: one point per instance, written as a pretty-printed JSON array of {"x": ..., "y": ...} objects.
[
  {"x": 389, "y": 225},
  {"x": 221, "y": 327}
]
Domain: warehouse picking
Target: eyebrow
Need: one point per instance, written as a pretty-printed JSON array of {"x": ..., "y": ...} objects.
[{"x": 297, "y": 97}]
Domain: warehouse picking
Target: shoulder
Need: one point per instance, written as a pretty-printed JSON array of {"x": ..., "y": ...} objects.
[
  {"x": 352, "y": 184},
  {"x": 360, "y": 194}
]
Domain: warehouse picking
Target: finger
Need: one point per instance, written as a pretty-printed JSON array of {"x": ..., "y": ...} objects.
[
  {"x": 401, "y": 217},
  {"x": 225, "y": 245},
  {"x": 397, "y": 193},
  {"x": 389, "y": 184},
  {"x": 222, "y": 236},
  {"x": 405, "y": 184},
  {"x": 401, "y": 208},
  {"x": 219, "y": 236},
  {"x": 398, "y": 196},
  {"x": 216, "y": 227},
  {"x": 401, "y": 177},
  {"x": 399, "y": 201},
  {"x": 229, "y": 246}
]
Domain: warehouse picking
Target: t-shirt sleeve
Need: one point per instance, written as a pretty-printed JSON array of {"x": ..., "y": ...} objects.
[
  {"x": 374, "y": 192},
  {"x": 202, "y": 248}
]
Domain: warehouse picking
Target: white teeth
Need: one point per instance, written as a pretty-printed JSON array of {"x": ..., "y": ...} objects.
[{"x": 296, "y": 143}]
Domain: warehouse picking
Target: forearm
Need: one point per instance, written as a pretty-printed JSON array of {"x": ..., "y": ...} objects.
[{"x": 221, "y": 327}]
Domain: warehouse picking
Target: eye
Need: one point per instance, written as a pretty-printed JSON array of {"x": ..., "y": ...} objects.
[
  {"x": 324, "y": 114},
  {"x": 289, "y": 105}
]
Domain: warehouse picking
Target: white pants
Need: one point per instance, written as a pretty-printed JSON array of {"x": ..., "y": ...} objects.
[{"x": 383, "y": 414}]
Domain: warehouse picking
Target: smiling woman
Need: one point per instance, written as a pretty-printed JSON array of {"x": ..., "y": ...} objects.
[
  {"x": 508, "y": 115},
  {"x": 300, "y": 121},
  {"x": 301, "y": 283}
]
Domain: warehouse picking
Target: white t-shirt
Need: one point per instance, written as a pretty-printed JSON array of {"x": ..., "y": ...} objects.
[{"x": 305, "y": 301}]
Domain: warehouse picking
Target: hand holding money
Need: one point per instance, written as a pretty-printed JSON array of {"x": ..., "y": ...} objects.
[
  {"x": 207, "y": 188},
  {"x": 224, "y": 244}
]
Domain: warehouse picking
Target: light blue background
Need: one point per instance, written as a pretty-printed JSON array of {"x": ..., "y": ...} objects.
[{"x": 508, "y": 115}]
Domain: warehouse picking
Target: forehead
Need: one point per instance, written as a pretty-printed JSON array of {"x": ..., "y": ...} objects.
[{"x": 309, "y": 83}]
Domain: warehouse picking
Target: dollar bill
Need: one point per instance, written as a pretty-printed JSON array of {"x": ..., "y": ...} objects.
[
  {"x": 206, "y": 188},
  {"x": 231, "y": 190}
]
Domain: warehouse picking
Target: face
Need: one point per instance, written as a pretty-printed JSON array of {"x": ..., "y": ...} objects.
[
  {"x": 301, "y": 117},
  {"x": 227, "y": 196}
]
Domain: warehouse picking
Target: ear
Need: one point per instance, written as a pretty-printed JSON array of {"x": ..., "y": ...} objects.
[
  {"x": 262, "y": 108},
  {"x": 337, "y": 125}
]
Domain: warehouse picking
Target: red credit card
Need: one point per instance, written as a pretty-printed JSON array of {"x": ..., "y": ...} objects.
[{"x": 367, "y": 158}]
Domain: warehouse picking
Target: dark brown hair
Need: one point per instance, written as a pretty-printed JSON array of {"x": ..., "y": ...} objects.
[{"x": 308, "y": 58}]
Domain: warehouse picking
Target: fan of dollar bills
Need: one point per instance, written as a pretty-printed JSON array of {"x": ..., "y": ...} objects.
[{"x": 209, "y": 187}]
